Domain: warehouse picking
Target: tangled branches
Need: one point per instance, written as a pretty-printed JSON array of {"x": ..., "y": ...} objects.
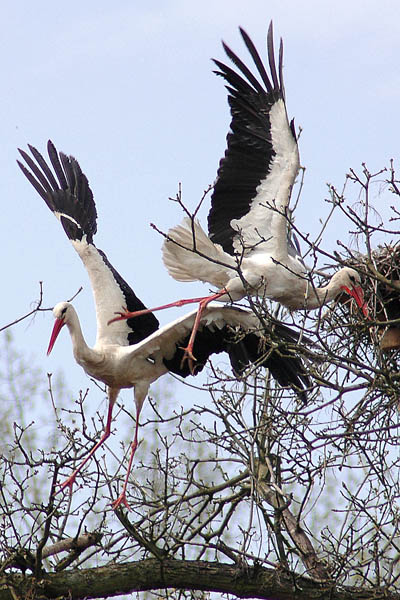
[{"x": 243, "y": 473}]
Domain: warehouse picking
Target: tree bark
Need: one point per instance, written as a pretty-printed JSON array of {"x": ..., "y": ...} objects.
[{"x": 152, "y": 574}]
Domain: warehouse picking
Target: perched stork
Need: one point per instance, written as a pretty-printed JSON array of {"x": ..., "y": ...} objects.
[
  {"x": 134, "y": 353},
  {"x": 248, "y": 250}
]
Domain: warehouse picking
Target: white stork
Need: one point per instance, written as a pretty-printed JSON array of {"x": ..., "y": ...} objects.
[
  {"x": 134, "y": 353},
  {"x": 248, "y": 250}
]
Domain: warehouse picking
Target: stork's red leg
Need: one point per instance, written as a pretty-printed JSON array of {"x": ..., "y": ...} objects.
[
  {"x": 125, "y": 314},
  {"x": 71, "y": 480},
  {"x": 122, "y": 497},
  {"x": 203, "y": 301}
]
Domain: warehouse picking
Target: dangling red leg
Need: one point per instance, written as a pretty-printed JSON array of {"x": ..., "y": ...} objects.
[
  {"x": 107, "y": 431},
  {"x": 122, "y": 497}
]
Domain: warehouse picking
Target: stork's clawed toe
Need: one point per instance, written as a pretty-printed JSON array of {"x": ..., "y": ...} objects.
[{"x": 190, "y": 358}]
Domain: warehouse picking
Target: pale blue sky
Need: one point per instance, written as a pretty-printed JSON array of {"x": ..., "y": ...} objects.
[{"x": 128, "y": 89}]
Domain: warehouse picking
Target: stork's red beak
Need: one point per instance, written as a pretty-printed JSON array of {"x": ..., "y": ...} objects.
[
  {"x": 54, "y": 334},
  {"x": 357, "y": 293}
]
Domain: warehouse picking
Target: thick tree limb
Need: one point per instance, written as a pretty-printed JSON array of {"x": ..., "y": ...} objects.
[
  {"x": 316, "y": 568},
  {"x": 152, "y": 574}
]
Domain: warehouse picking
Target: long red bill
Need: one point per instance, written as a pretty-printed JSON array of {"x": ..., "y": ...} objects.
[
  {"x": 357, "y": 293},
  {"x": 54, "y": 334}
]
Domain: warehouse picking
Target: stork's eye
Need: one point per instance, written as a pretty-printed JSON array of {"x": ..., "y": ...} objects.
[{"x": 64, "y": 310}]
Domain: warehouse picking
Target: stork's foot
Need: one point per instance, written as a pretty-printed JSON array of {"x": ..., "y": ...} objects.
[
  {"x": 121, "y": 500},
  {"x": 190, "y": 358},
  {"x": 68, "y": 483},
  {"x": 125, "y": 314}
]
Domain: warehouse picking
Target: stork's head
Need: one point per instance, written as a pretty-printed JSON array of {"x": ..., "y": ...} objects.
[
  {"x": 61, "y": 312},
  {"x": 349, "y": 281}
]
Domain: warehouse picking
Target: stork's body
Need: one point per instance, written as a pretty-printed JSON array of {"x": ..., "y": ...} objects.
[
  {"x": 248, "y": 250},
  {"x": 134, "y": 353},
  {"x": 283, "y": 279}
]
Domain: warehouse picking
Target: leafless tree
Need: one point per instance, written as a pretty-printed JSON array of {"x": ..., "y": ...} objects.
[{"x": 244, "y": 490}]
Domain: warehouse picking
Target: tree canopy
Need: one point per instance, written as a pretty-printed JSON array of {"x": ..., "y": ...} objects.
[{"x": 241, "y": 489}]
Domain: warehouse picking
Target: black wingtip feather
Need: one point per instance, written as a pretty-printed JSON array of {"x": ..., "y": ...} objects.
[
  {"x": 260, "y": 65},
  {"x": 244, "y": 69},
  {"x": 59, "y": 167},
  {"x": 44, "y": 166},
  {"x": 271, "y": 56},
  {"x": 40, "y": 184},
  {"x": 280, "y": 67}
]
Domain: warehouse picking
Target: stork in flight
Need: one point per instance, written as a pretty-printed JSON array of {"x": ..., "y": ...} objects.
[
  {"x": 135, "y": 353},
  {"x": 248, "y": 250}
]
